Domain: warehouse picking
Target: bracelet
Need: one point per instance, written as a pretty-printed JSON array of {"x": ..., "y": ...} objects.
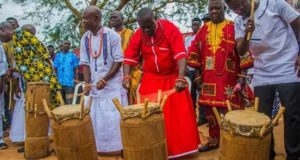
[
  {"x": 197, "y": 78},
  {"x": 104, "y": 81},
  {"x": 181, "y": 80},
  {"x": 181, "y": 77},
  {"x": 126, "y": 77}
]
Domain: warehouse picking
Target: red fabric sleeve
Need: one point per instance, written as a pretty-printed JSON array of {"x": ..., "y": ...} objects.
[
  {"x": 132, "y": 53},
  {"x": 194, "y": 51},
  {"x": 175, "y": 37}
]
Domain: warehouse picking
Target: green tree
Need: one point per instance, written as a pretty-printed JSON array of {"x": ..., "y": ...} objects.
[{"x": 68, "y": 27}]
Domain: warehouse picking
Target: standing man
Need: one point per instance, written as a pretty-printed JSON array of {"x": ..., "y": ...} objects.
[
  {"x": 66, "y": 65},
  {"x": 101, "y": 56},
  {"x": 32, "y": 58},
  {"x": 161, "y": 46},
  {"x": 213, "y": 51},
  {"x": 276, "y": 60},
  {"x": 196, "y": 24},
  {"x": 117, "y": 21},
  {"x": 9, "y": 80},
  {"x": 51, "y": 50},
  {"x": 3, "y": 70}
]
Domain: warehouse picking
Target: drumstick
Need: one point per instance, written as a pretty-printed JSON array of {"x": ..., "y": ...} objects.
[
  {"x": 228, "y": 105},
  {"x": 10, "y": 94},
  {"x": 118, "y": 106},
  {"x": 163, "y": 102},
  {"x": 60, "y": 98},
  {"x": 146, "y": 102},
  {"x": 91, "y": 85},
  {"x": 251, "y": 16},
  {"x": 159, "y": 96},
  {"x": 46, "y": 108},
  {"x": 217, "y": 115},
  {"x": 256, "y": 104},
  {"x": 279, "y": 114},
  {"x": 267, "y": 128},
  {"x": 264, "y": 129}
]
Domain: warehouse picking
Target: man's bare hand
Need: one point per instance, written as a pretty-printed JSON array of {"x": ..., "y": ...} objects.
[
  {"x": 180, "y": 86},
  {"x": 126, "y": 83},
  {"x": 250, "y": 25},
  {"x": 100, "y": 85},
  {"x": 87, "y": 88}
]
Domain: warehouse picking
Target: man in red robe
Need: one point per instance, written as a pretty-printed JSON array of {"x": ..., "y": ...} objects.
[
  {"x": 213, "y": 50},
  {"x": 160, "y": 44}
]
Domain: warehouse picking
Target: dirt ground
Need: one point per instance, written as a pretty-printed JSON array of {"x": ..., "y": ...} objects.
[{"x": 12, "y": 154}]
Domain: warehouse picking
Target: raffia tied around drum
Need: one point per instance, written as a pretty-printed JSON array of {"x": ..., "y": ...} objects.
[
  {"x": 147, "y": 120},
  {"x": 37, "y": 122},
  {"x": 245, "y": 134},
  {"x": 73, "y": 133}
]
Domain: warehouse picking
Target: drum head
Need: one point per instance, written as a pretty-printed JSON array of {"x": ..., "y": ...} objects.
[
  {"x": 66, "y": 112},
  {"x": 38, "y": 83},
  {"x": 137, "y": 110},
  {"x": 247, "y": 118}
]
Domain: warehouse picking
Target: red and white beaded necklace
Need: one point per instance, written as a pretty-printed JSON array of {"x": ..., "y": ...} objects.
[{"x": 96, "y": 54}]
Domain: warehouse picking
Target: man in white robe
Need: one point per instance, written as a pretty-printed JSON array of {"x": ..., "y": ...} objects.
[
  {"x": 101, "y": 57},
  {"x": 17, "y": 131}
]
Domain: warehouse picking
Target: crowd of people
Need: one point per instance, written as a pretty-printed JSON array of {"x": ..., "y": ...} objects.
[{"x": 220, "y": 60}]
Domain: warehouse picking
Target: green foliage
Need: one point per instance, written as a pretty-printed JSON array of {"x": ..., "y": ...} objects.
[{"x": 46, "y": 13}]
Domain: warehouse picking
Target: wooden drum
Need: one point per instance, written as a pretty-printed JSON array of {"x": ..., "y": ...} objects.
[
  {"x": 73, "y": 133},
  {"x": 37, "y": 121},
  {"x": 242, "y": 138},
  {"x": 143, "y": 132}
]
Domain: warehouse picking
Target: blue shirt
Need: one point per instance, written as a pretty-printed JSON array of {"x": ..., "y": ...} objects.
[
  {"x": 273, "y": 43},
  {"x": 65, "y": 64}
]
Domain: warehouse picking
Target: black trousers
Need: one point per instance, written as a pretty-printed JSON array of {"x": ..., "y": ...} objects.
[
  {"x": 65, "y": 90},
  {"x": 192, "y": 76},
  {"x": 289, "y": 94}
]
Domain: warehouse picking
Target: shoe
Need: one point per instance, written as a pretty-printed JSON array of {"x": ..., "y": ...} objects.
[
  {"x": 213, "y": 143},
  {"x": 206, "y": 148},
  {"x": 20, "y": 150},
  {"x": 3, "y": 146},
  {"x": 201, "y": 122}
]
